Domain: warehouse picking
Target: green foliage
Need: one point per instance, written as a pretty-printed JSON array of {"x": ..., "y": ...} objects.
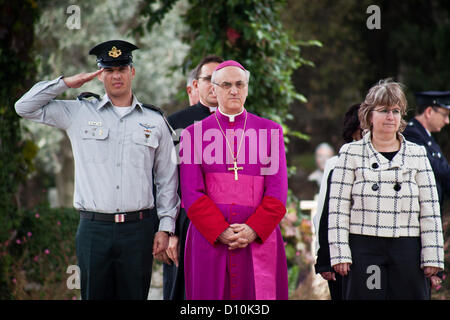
[
  {"x": 16, "y": 154},
  {"x": 155, "y": 11},
  {"x": 38, "y": 253},
  {"x": 251, "y": 33},
  {"x": 17, "y": 65}
]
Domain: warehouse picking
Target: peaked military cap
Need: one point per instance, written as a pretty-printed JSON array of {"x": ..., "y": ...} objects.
[
  {"x": 433, "y": 99},
  {"x": 113, "y": 53}
]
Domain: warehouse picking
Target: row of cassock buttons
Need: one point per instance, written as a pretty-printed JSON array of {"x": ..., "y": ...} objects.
[{"x": 375, "y": 186}]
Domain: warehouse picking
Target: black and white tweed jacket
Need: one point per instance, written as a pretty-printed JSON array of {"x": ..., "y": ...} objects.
[{"x": 370, "y": 195}]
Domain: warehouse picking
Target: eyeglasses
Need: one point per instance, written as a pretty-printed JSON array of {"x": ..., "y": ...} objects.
[
  {"x": 385, "y": 112},
  {"x": 228, "y": 85},
  {"x": 207, "y": 78},
  {"x": 444, "y": 114}
]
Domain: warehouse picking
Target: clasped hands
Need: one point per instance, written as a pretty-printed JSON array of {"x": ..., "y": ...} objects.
[
  {"x": 237, "y": 235},
  {"x": 166, "y": 249}
]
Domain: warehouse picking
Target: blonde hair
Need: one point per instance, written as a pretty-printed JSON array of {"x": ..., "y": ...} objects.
[{"x": 386, "y": 93}]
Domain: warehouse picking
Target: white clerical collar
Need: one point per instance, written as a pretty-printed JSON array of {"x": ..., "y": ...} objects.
[
  {"x": 230, "y": 116},
  {"x": 211, "y": 109}
]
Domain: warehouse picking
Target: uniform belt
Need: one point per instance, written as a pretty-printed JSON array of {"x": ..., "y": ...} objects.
[{"x": 117, "y": 217}]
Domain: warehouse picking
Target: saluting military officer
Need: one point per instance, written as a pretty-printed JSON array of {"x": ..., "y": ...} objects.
[
  {"x": 432, "y": 114},
  {"x": 120, "y": 146}
]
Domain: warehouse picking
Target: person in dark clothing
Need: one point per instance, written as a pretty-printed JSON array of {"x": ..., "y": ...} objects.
[
  {"x": 351, "y": 132},
  {"x": 432, "y": 114},
  {"x": 173, "y": 273}
]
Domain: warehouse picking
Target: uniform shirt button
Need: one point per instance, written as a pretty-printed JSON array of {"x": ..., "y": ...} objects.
[
  {"x": 397, "y": 187},
  {"x": 429, "y": 143},
  {"x": 375, "y": 187},
  {"x": 375, "y": 165}
]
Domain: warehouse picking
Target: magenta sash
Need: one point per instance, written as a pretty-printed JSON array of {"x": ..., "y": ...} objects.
[
  {"x": 223, "y": 189},
  {"x": 248, "y": 191},
  {"x": 265, "y": 267}
]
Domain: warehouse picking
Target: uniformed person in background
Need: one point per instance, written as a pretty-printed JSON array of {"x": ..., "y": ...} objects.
[
  {"x": 120, "y": 146},
  {"x": 432, "y": 114}
]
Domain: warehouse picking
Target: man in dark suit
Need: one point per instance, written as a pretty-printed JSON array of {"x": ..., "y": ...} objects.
[
  {"x": 432, "y": 114},
  {"x": 173, "y": 274},
  {"x": 433, "y": 109}
]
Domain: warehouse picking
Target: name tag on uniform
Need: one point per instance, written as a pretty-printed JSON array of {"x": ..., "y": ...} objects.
[{"x": 95, "y": 123}]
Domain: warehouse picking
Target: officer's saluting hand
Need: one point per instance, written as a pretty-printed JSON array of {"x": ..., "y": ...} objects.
[{"x": 78, "y": 80}]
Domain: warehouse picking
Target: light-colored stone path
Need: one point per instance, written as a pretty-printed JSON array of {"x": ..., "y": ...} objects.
[{"x": 156, "y": 287}]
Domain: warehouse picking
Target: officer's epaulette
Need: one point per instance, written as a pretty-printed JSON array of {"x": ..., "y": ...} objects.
[
  {"x": 155, "y": 108},
  {"x": 87, "y": 95},
  {"x": 161, "y": 112}
]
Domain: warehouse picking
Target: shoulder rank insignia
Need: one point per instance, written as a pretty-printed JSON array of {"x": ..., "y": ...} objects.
[{"x": 87, "y": 95}]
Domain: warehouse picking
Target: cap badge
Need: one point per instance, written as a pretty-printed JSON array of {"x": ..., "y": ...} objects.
[{"x": 114, "y": 52}]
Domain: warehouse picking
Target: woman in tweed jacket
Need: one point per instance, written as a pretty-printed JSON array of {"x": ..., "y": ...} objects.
[{"x": 385, "y": 230}]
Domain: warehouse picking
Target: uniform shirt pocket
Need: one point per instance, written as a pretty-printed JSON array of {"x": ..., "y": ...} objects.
[
  {"x": 143, "y": 148},
  {"x": 94, "y": 144}
]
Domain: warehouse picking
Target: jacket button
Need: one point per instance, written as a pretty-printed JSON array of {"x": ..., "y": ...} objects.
[
  {"x": 375, "y": 187},
  {"x": 375, "y": 165},
  {"x": 397, "y": 187}
]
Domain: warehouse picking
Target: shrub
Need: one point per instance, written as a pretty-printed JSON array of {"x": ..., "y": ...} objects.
[{"x": 35, "y": 258}]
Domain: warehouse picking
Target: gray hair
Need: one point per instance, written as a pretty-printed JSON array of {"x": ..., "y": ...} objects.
[{"x": 191, "y": 77}]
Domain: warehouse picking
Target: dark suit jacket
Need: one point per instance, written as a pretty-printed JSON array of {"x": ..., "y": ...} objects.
[{"x": 416, "y": 133}]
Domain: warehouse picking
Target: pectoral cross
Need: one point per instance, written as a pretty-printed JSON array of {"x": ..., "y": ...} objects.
[{"x": 235, "y": 168}]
